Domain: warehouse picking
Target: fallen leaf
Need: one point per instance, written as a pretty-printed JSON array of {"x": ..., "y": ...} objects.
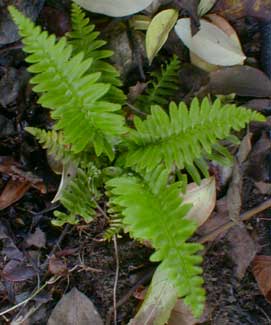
[
  {"x": 222, "y": 24},
  {"x": 210, "y": 43},
  {"x": 240, "y": 80},
  {"x": 57, "y": 266},
  {"x": 158, "y": 30},
  {"x": 160, "y": 299},
  {"x": 261, "y": 268},
  {"x": 17, "y": 271},
  {"x": 204, "y": 6},
  {"x": 242, "y": 249},
  {"x": 75, "y": 308},
  {"x": 234, "y": 9},
  {"x": 37, "y": 239},
  {"x": 114, "y": 8},
  {"x": 13, "y": 192},
  {"x": 181, "y": 315},
  {"x": 203, "y": 197}
]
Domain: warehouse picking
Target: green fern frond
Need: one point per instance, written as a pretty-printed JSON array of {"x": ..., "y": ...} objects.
[
  {"x": 75, "y": 97},
  {"x": 84, "y": 38},
  {"x": 79, "y": 198},
  {"x": 154, "y": 211},
  {"x": 53, "y": 142},
  {"x": 183, "y": 137},
  {"x": 163, "y": 87}
]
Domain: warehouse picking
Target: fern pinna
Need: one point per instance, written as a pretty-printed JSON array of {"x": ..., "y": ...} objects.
[
  {"x": 75, "y": 97},
  {"x": 162, "y": 87},
  {"x": 184, "y": 137},
  {"x": 76, "y": 87}
]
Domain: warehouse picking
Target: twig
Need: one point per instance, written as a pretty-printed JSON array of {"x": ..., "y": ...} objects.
[
  {"x": 61, "y": 237},
  {"x": 35, "y": 293},
  {"x": 116, "y": 279},
  {"x": 146, "y": 278},
  {"x": 243, "y": 217},
  {"x": 135, "y": 109}
]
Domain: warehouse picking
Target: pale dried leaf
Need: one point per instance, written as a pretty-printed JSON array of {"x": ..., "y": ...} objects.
[
  {"x": 75, "y": 308},
  {"x": 114, "y": 8},
  {"x": 37, "y": 239},
  {"x": 158, "y": 31},
  {"x": 204, "y": 6},
  {"x": 203, "y": 197},
  {"x": 210, "y": 43}
]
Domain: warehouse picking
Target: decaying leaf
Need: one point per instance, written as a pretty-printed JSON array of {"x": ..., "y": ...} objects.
[
  {"x": 57, "y": 266},
  {"x": 224, "y": 25},
  {"x": 261, "y": 268},
  {"x": 158, "y": 31},
  {"x": 203, "y": 197},
  {"x": 181, "y": 315},
  {"x": 37, "y": 239},
  {"x": 242, "y": 249},
  {"x": 234, "y": 9},
  {"x": 13, "y": 192},
  {"x": 75, "y": 308},
  {"x": 160, "y": 299},
  {"x": 68, "y": 173},
  {"x": 240, "y": 80},
  {"x": 17, "y": 271},
  {"x": 210, "y": 43},
  {"x": 114, "y": 8},
  {"x": 204, "y": 6}
]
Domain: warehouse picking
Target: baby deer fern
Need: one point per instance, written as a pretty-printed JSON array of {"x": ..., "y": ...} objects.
[
  {"x": 152, "y": 202},
  {"x": 162, "y": 88},
  {"x": 183, "y": 137},
  {"x": 84, "y": 38},
  {"x": 81, "y": 90},
  {"x": 75, "y": 97}
]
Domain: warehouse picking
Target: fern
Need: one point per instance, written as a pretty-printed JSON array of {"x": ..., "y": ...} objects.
[
  {"x": 153, "y": 211},
  {"x": 163, "y": 86},
  {"x": 76, "y": 98},
  {"x": 79, "y": 198},
  {"x": 84, "y": 38},
  {"x": 184, "y": 136}
]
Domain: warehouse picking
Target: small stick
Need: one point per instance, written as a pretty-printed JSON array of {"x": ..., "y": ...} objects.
[
  {"x": 243, "y": 217},
  {"x": 116, "y": 279}
]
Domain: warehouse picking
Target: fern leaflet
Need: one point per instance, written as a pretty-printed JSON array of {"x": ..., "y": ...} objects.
[
  {"x": 79, "y": 198},
  {"x": 76, "y": 98},
  {"x": 153, "y": 211},
  {"x": 163, "y": 86},
  {"x": 184, "y": 136},
  {"x": 84, "y": 38}
]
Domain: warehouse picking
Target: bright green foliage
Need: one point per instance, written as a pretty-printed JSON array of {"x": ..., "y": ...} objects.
[
  {"x": 76, "y": 98},
  {"x": 163, "y": 86},
  {"x": 153, "y": 211},
  {"x": 79, "y": 198},
  {"x": 84, "y": 38},
  {"x": 184, "y": 136}
]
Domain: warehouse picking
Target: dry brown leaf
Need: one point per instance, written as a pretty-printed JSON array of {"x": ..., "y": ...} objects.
[
  {"x": 261, "y": 269},
  {"x": 243, "y": 249},
  {"x": 13, "y": 192},
  {"x": 234, "y": 9},
  {"x": 37, "y": 239},
  {"x": 240, "y": 80},
  {"x": 75, "y": 308},
  {"x": 57, "y": 266}
]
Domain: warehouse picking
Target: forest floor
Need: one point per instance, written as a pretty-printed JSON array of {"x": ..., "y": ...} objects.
[{"x": 35, "y": 254}]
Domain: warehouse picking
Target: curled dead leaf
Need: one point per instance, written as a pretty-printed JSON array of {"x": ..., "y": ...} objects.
[{"x": 261, "y": 269}]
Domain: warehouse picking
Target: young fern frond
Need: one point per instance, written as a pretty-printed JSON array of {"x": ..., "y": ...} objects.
[
  {"x": 162, "y": 88},
  {"x": 183, "y": 137},
  {"x": 84, "y": 38},
  {"x": 53, "y": 142},
  {"x": 75, "y": 97},
  {"x": 154, "y": 211},
  {"x": 79, "y": 198}
]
